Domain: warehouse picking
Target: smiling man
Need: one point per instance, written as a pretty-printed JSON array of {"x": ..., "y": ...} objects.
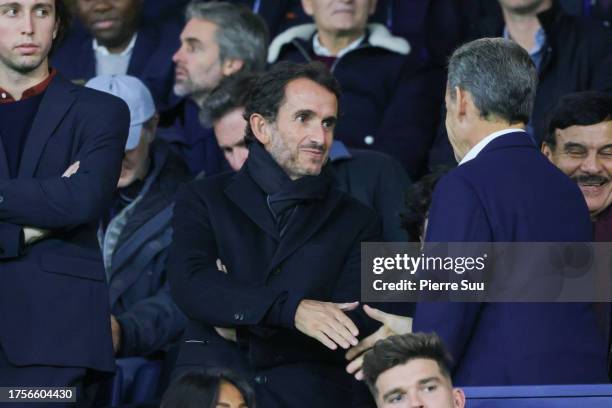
[
  {"x": 411, "y": 370},
  {"x": 256, "y": 262},
  {"x": 53, "y": 296},
  {"x": 390, "y": 98},
  {"x": 579, "y": 142}
]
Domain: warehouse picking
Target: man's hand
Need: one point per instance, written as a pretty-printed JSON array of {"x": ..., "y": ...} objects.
[
  {"x": 326, "y": 322},
  {"x": 391, "y": 325},
  {"x": 116, "y": 332},
  {"x": 227, "y": 333},
  {"x": 32, "y": 235},
  {"x": 74, "y": 167}
]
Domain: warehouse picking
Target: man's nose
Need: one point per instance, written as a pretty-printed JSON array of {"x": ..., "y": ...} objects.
[
  {"x": 591, "y": 164},
  {"x": 101, "y": 5},
  {"x": 177, "y": 55},
  {"x": 28, "y": 25}
]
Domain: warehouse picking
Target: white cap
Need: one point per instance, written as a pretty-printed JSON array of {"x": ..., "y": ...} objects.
[{"x": 135, "y": 94}]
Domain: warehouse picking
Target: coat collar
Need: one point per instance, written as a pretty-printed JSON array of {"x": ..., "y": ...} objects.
[
  {"x": 378, "y": 36},
  {"x": 509, "y": 140},
  {"x": 58, "y": 99},
  {"x": 247, "y": 195}
]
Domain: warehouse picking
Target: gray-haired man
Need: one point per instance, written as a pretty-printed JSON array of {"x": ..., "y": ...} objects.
[{"x": 219, "y": 39}]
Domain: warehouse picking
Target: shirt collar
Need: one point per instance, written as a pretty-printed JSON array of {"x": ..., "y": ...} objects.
[
  {"x": 37, "y": 89},
  {"x": 320, "y": 50},
  {"x": 540, "y": 40},
  {"x": 474, "y": 151},
  {"x": 338, "y": 151},
  {"x": 102, "y": 50}
]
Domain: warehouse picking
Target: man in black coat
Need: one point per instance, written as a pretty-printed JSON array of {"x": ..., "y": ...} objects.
[{"x": 265, "y": 262}]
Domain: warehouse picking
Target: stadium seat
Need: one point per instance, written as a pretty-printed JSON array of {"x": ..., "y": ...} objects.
[{"x": 540, "y": 396}]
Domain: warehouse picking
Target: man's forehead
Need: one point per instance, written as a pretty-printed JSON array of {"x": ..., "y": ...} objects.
[
  {"x": 198, "y": 27},
  {"x": 596, "y": 135},
  {"x": 306, "y": 94},
  {"x": 409, "y": 374},
  {"x": 28, "y": 2}
]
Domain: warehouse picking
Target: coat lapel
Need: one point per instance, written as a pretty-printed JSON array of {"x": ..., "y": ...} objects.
[
  {"x": 86, "y": 62},
  {"x": 4, "y": 170},
  {"x": 143, "y": 50},
  {"x": 251, "y": 200},
  {"x": 305, "y": 223},
  {"x": 58, "y": 98}
]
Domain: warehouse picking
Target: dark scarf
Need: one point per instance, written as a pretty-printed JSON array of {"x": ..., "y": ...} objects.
[{"x": 284, "y": 195}]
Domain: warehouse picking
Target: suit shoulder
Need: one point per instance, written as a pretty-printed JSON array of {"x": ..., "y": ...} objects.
[{"x": 98, "y": 100}]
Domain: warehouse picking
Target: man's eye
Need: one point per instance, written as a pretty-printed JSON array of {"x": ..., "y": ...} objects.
[
  {"x": 301, "y": 117},
  {"x": 430, "y": 388},
  {"x": 606, "y": 152},
  {"x": 394, "y": 398},
  {"x": 42, "y": 13},
  {"x": 328, "y": 124},
  {"x": 10, "y": 12},
  {"x": 575, "y": 153}
]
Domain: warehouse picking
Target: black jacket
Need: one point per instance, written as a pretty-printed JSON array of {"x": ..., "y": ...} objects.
[{"x": 226, "y": 217}]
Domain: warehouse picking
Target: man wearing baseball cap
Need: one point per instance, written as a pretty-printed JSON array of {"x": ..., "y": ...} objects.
[{"x": 136, "y": 232}]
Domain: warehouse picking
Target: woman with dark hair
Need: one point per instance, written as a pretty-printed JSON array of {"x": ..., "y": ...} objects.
[{"x": 209, "y": 389}]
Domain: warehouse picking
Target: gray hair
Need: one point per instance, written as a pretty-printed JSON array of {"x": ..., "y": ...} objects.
[
  {"x": 500, "y": 76},
  {"x": 241, "y": 34}
]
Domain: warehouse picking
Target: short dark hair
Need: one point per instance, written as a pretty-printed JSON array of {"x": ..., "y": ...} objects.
[
  {"x": 268, "y": 92},
  {"x": 64, "y": 16},
  {"x": 418, "y": 201},
  {"x": 500, "y": 76},
  {"x": 230, "y": 94},
  {"x": 578, "y": 109},
  {"x": 200, "y": 389},
  {"x": 400, "y": 349}
]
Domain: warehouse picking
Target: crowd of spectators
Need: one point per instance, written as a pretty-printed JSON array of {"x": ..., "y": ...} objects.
[{"x": 201, "y": 82}]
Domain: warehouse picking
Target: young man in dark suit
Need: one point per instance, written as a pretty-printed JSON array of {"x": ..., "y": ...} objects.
[
  {"x": 60, "y": 155},
  {"x": 265, "y": 262},
  {"x": 505, "y": 190}
]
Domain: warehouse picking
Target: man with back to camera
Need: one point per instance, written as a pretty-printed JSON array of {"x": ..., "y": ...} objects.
[
  {"x": 61, "y": 149},
  {"x": 278, "y": 311},
  {"x": 411, "y": 370},
  {"x": 571, "y": 53},
  {"x": 579, "y": 143},
  {"x": 505, "y": 190},
  {"x": 219, "y": 39}
]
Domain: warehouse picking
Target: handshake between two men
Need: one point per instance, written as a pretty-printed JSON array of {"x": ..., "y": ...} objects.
[{"x": 328, "y": 323}]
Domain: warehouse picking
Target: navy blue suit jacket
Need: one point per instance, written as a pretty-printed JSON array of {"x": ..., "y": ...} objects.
[
  {"x": 511, "y": 193},
  {"x": 53, "y": 294},
  {"x": 151, "y": 59},
  {"x": 226, "y": 217}
]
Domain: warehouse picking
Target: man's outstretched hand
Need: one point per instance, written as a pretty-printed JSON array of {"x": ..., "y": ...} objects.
[
  {"x": 327, "y": 322},
  {"x": 391, "y": 325}
]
